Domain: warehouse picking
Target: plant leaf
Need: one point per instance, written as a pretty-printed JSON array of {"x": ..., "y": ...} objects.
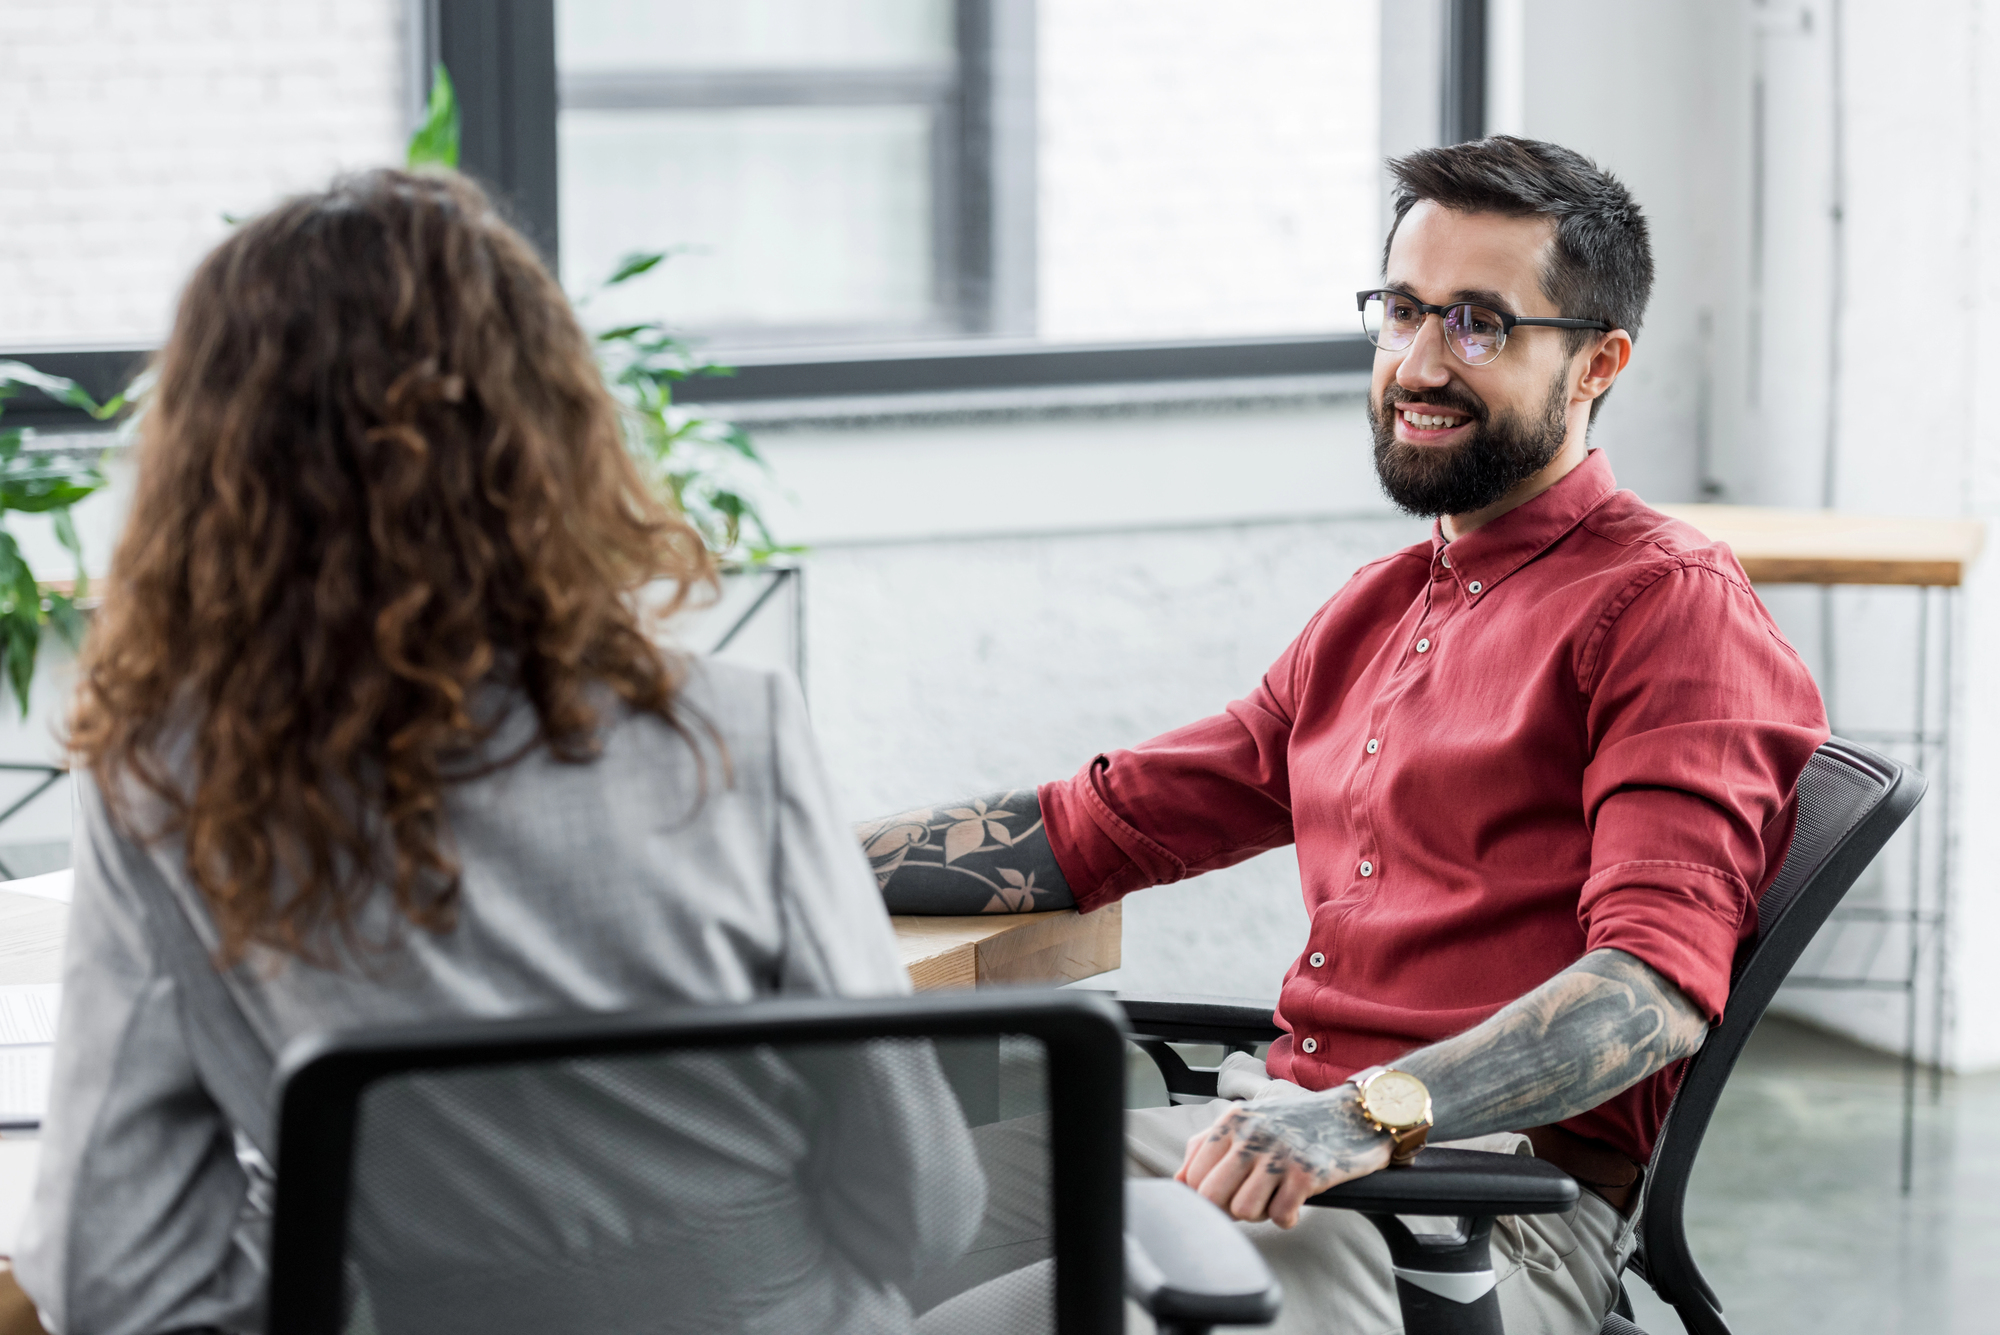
[
  {"x": 638, "y": 262},
  {"x": 625, "y": 332},
  {"x": 24, "y": 636},
  {"x": 67, "y": 618},
  {"x": 58, "y": 387},
  {"x": 65, "y": 526},
  {"x": 435, "y": 143}
]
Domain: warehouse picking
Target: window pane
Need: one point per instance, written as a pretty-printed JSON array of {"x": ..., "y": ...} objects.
[
  {"x": 790, "y": 216},
  {"x": 787, "y": 150},
  {"x": 1206, "y": 170},
  {"x": 599, "y": 35}
]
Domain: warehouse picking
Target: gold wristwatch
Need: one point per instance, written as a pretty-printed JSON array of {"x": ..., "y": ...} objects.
[{"x": 1397, "y": 1104}]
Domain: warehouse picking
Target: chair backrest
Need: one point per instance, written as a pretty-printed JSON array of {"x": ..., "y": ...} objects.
[
  {"x": 1850, "y": 800},
  {"x": 792, "y": 1165}
]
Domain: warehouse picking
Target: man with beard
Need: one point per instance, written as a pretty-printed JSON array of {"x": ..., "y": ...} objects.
[{"x": 1537, "y": 769}]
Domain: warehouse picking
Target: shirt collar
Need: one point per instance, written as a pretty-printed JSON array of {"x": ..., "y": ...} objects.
[{"x": 1498, "y": 548}]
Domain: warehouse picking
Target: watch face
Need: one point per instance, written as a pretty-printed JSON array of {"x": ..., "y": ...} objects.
[{"x": 1397, "y": 1100}]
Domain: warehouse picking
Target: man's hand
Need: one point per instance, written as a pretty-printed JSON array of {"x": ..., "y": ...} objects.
[
  {"x": 1262, "y": 1160},
  {"x": 1598, "y": 1027}
]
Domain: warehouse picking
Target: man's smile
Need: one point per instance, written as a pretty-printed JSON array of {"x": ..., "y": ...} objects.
[{"x": 1428, "y": 424}]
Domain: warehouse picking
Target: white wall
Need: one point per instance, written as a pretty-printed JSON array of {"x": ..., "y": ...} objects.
[
  {"x": 1890, "y": 413},
  {"x": 1822, "y": 326},
  {"x": 1645, "y": 91}
]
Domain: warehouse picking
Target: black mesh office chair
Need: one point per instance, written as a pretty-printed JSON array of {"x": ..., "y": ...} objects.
[
  {"x": 1850, "y": 801},
  {"x": 779, "y": 1166}
]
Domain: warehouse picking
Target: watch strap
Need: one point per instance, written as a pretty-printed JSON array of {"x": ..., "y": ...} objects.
[{"x": 1407, "y": 1143}]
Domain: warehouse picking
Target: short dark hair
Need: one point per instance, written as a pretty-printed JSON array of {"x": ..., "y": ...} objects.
[{"x": 1601, "y": 266}]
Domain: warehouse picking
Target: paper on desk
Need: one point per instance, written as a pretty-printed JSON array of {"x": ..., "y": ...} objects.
[
  {"x": 18, "y": 1160},
  {"x": 56, "y": 885},
  {"x": 24, "y": 1082},
  {"x": 28, "y": 1012},
  {"x": 27, "y": 1046}
]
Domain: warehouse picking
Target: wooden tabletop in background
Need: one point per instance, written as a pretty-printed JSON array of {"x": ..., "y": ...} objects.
[
  {"x": 1833, "y": 547},
  {"x": 986, "y": 948}
]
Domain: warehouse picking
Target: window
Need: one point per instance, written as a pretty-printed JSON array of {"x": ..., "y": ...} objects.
[
  {"x": 1002, "y": 178},
  {"x": 867, "y": 171},
  {"x": 803, "y": 160}
]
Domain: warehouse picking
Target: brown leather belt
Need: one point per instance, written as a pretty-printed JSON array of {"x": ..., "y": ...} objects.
[{"x": 1591, "y": 1162}]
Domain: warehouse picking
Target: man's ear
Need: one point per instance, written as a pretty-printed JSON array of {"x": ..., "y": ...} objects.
[{"x": 1603, "y": 363}]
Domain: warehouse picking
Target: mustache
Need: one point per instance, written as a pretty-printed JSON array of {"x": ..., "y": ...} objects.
[{"x": 1448, "y": 396}]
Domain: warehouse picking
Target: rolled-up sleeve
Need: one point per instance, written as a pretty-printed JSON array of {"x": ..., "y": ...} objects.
[{"x": 1701, "y": 719}]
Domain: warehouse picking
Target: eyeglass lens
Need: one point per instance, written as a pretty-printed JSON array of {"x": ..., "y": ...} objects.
[{"x": 1475, "y": 333}]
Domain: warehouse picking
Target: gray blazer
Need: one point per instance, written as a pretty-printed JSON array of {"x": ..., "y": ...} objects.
[{"x": 619, "y": 883}]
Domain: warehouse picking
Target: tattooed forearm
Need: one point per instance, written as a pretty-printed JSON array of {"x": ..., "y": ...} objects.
[
  {"x": 983, "y": 855},
  {"x": 1598, "y": 1027},
  {"x": 1603, "y": 1024}
]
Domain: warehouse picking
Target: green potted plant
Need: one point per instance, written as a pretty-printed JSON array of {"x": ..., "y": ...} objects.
[{"x": 41, "y": 481}]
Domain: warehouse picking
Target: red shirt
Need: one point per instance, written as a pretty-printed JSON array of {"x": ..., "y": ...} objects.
[{"x": 1573, "y": 728}]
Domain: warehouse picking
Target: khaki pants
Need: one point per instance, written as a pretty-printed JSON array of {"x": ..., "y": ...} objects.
[{"x": 1557, "y": 1274}]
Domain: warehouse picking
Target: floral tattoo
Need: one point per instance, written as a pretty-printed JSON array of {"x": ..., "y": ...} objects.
[{"x": 983, "y": 855}]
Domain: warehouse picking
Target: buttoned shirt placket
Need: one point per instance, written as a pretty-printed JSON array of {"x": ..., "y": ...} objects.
[{"x": 1368, "y": 876}]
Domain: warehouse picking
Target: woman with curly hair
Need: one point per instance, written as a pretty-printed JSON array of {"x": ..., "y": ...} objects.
[{"x": 373, "y": 705}]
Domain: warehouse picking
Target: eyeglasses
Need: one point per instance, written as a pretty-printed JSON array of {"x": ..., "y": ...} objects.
[{"x": 1476, "y": 333}]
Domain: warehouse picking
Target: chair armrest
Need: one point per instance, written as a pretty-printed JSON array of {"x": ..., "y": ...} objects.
[
  {"x": 1199, "y": 1019},
  {"x": 1458, "y": 1182},
  {"x": 1157, "y": 1019},
  {"x": 1186, "y": 1262}
]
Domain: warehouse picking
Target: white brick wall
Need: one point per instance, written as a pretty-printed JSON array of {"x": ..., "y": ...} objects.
[{"x": 128, "y": 127}]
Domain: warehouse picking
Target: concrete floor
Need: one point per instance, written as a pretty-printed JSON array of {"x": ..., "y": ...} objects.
[{"x": 1795, "y": 1215}]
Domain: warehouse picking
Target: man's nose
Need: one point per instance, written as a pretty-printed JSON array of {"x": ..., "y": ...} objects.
[{"x": 1426, "y": 365}]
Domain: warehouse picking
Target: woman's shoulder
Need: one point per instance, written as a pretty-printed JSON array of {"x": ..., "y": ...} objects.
[
  {"x": 744, "y": 715},
  {"x": 738, "y": 699}
]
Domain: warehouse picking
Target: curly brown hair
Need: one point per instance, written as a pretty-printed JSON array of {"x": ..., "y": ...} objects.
[{"x": 378, "y": 471}]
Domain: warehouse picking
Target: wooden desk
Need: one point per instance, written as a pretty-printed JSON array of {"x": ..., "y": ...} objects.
[
  {"x": 987, "y": 948},
  {"x": 1831, "y": 547}
]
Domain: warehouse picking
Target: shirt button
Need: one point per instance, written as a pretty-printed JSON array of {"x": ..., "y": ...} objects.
[
  {"x": 1423, "y": 646},
  {"x": 1474, "y": 586},
  {"x": 1367, "y": 869},
  {"x": 1310, "y": 1046},
  {"x": 1373, "y": 746},
  {"x": 1446, "y": 558},
  {"x": 1317, "y": 959}
]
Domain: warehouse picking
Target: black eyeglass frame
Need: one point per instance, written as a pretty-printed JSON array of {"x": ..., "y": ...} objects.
[{"x": 1507, "y": 320}]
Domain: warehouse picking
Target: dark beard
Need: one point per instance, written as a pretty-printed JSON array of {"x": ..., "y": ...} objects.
[{"x": 1501, "y": 453}]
